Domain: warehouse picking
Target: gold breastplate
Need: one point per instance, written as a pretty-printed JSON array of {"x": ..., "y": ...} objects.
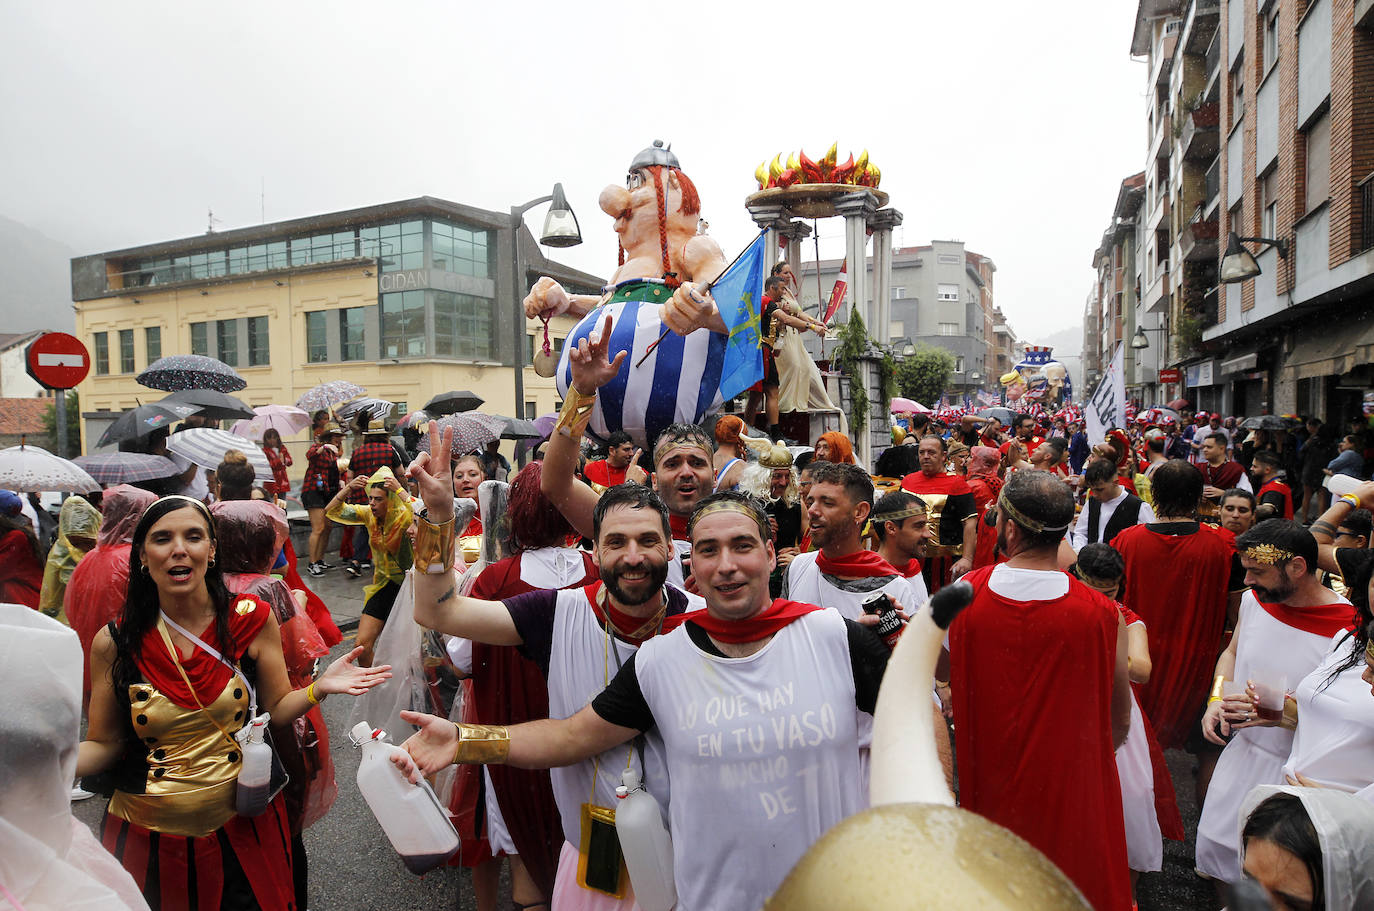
[
  {"x": 192, "y": 766},
  {"x": 935, "y": 507}
]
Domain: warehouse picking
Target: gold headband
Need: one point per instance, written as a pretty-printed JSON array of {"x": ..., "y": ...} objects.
[
  {"x": 899, "y": 515},
  {"x": 1267, "y": 554},
  {"x": 1092, "y": 581},
  {"x": 729, "y": 506},
  {"x": 1025, "y": 521}
]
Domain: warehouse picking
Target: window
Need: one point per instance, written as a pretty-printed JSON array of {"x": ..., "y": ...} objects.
[
  {"x": 351, "y": 345},
  {"x": 1318, "y": 140},
  {"x": 403, "y": 324},
  {"x": 324, "y": 248},
  {"x": 949, "y": 328},
  {"x": 102, "y": 353},
  {"x": 258, "y": 346},
  {"x": 126, "y": 351},
  {"x": 947, "y": 292},
  {"x": 200, "y": 343},
  {"x": 1238, "y": 92},
  {"x": 463, "y": 326},
  {"x": 396, "y": 247},
  {"x": 959, "y": 364},
  {"x": 460, "y": 249},
  {"x": 152, "y": 341},
  {"x": 1269, "y": 203},
  {"x": 898, "y": 293},
  {"x": 949, "y": 259},
  {"x": 1269, "y": 43},
  {"x": 316, "y": 346},
  {"x": 227, "y": 341}
]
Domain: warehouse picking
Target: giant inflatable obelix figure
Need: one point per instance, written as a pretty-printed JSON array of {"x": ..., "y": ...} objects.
[{"x": 663, "y": 261}]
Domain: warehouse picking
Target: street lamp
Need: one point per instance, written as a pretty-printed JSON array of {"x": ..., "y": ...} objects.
[
  {"x": 1139, "y": 341},
  {"x": 560, "y": 230},
  {"x": 1239, "y": 263}
]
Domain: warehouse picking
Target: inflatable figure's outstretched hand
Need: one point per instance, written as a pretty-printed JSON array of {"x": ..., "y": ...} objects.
[
  {"x": 589, "y": 362},
  {"x": 546, "y": 300},
  {"x": 691, "y": 309}
]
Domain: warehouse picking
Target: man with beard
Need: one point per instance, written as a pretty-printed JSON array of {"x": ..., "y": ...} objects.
[
  {"x": 1283, "y": 632},
  {"x": 1043, "y": 764},
  {"x": 1272, "y": 490},
  {"x": 682, "y": 456},
  {"x": 1219, "y": 472},
  {"x": 1183, "y": 579},
  {"x": 746, "y": 802},
  {"x": 577, "y": 637},
  {"x": 952, "y": 512},
  {"x": 610, "y": 471},
  {"x": 840, "y": 573},
  {"x": 1237, "y": 511},
  {"x": 1023, "y": 425}
]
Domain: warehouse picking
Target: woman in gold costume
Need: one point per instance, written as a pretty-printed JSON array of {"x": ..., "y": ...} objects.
[{"x": 171, "y": 684}]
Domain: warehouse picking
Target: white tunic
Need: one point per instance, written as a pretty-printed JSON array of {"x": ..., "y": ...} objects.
[
  {"x": 1265, "y": 646},
  {"x": 1144, "y": 841},
  {"x": 1334, "y": 745},
  {"x": 761, "y": 751}
]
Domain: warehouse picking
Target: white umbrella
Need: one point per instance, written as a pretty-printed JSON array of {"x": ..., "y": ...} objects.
[
  {"x": 29, "y": 469},
  {"x": 284, "y": 419},
  {"x": 206, "y": 447}
]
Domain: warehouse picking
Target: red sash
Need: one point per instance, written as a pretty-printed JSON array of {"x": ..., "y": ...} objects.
[
  {"x": 763, "y": 624},
  {"x": 1322, "y": 619},
  {"x": 678, "y": 526},
  {"x": 862, "y": 564}
]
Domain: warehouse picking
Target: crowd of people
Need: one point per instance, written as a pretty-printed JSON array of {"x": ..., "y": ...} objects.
[{"x": 717, "y": 614}]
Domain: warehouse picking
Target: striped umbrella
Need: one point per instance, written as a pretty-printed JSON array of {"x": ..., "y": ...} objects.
[
  {"x": 206, "y": 447},
  {"x": 327, "y": 395},
  {"x": 125, "y": 467},
  {"x": 190, "y": 371},
  {"x": 376, "y": 409}
]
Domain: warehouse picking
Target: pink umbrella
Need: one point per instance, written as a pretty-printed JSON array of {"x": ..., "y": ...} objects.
[
  {"x": 907, "y": 406},
  {"x": 284, "y": 419}
]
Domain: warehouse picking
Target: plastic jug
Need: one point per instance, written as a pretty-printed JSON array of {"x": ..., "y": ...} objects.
[
  {"x": 255, "y": 774},
  {"x": 414, "y": 821},
  {"x": 646, "y": 844},
  {"x": 1341, "y": 484}
]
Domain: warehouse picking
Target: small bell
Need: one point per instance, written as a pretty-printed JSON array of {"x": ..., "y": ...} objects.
[{"x": 545, "y": 361}]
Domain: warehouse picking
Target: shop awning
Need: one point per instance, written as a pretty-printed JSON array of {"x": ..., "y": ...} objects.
[{"x": 1332, "y": 353}]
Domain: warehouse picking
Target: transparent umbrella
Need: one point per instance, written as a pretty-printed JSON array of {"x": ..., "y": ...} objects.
[{"x": 30, "y": 469}]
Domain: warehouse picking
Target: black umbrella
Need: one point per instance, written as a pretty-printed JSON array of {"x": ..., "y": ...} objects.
[
  {"x": 453, "y": 401},
  {"x": 217, "y": 406},
  {"x": 1265, "y": 422},
  {"x": 143, "y": 420},
  {"x": 190, "y": 371},
  {"x": 521, "y": 429}
]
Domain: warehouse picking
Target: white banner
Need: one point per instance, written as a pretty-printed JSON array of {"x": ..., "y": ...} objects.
[{"x": 1106, "y": 408}]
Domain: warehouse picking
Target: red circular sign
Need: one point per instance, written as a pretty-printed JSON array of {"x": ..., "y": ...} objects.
[{"x": 57, "y": 360}]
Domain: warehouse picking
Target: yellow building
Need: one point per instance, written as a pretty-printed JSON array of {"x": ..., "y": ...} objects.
[{"x": 407, "y": 299}]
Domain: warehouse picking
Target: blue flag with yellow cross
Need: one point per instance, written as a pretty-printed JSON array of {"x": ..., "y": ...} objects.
[{"x": 739, "y": 295}]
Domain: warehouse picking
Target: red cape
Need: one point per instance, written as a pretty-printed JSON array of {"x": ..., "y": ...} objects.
[
  {"x": 1045, "y": 767},
  {"x": 23, "y": 579},
  {"x": 1321, "y": 620},
  {"x": 1178, "y": 585},
  {"x": 918, "y": 482},
  {"x": 95, "y": 596}
]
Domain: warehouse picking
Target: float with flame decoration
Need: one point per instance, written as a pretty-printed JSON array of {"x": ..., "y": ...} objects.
[{"x": 809, "y": 188}]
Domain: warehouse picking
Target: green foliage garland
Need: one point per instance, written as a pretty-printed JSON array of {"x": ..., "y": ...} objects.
[{"x": 853, "y": 344}]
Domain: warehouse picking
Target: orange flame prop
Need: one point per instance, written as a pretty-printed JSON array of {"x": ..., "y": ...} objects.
[{"x": 800, "y": 169}]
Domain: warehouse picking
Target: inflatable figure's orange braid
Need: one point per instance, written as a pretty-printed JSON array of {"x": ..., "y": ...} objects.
[{"x": 669, "y": 279}]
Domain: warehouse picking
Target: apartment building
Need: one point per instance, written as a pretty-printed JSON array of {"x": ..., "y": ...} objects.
[
  {"x": 942, "y": 295},
  {"x": 407, "y": 299},
  {"x": 1261, "y": 125}
]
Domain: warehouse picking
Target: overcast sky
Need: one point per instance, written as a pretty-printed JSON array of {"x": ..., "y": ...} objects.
[{"x": 1004, "y": 124}]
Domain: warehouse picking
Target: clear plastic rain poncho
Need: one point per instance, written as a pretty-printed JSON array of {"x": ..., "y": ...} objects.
[
  {"x": 77, "y": 526},
  {"x": 1345, "y": 828},
  {"x": 48, "y": 859}
]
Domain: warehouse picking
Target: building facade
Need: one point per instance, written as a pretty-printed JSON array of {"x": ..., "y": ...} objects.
[
  {"x": 15, "y": 381},
  {"x": 942, "y": 295},
  {"x": 1261, "y": 125},
  {"x": 407, "y": 299}
]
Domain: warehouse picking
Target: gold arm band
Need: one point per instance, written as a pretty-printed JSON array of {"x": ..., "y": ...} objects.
[
  {"x": 1289, "y": 721},
  {"x": 482, "y": 743},
  {"x": 433, "y": 546},
  {"x": 1217, "y": 686},
  {"x": 310, "y": 695},
  {"x": 576, "y": 413}
]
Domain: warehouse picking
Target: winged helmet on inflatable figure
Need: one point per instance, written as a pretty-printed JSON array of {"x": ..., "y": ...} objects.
[{"x": 663, "y": 261}]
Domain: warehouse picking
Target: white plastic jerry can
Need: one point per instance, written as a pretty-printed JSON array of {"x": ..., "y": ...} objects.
[
  {"x": 414, "y": 821},
  {"x": 645, "y": 843},
  {"x": 252, "y": 794}
]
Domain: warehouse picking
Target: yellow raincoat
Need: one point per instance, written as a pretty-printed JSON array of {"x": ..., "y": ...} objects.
[
  {"x": 77, "y": 526},
  {"x": 390, "y": 541}
]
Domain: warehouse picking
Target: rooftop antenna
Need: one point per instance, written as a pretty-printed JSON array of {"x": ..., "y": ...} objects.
[{"x": 211, "y": 221}]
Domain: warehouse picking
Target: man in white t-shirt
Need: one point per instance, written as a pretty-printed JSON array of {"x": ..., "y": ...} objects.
[{"x": 754, "y": 700}]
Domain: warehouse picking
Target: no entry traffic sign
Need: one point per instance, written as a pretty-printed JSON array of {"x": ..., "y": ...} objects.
[{"x": 57, "y": 360}]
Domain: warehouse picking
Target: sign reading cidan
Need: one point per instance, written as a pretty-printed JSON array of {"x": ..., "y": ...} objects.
[{"x": 437, "y": 279}]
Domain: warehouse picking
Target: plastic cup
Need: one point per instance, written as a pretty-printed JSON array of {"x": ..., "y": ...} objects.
[{"x": 1270, "y": 688}]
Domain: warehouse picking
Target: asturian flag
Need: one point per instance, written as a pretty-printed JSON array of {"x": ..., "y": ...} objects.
[
  {"x": 837, "y": 293},
  {"x": 739, "y": 296}
]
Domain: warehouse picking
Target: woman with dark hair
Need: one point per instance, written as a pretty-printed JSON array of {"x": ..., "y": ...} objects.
[
  {"x": 1309, "y": 848},
  {"x": 236, "y": 477},
  {"x": 185, "y": 668},
  {"x": 280, "y": 459},
  {"x": 20, "y": 554}
]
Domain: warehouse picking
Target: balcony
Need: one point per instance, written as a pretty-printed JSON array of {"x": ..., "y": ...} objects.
[
  {"x": 1201, "y": 139},
  {"x": 1198, "y": 239},
  {"x": 1164, "y": 56},
  {"x": 1367, "y": 213},
  {"x": 1200, "y": 25}
]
